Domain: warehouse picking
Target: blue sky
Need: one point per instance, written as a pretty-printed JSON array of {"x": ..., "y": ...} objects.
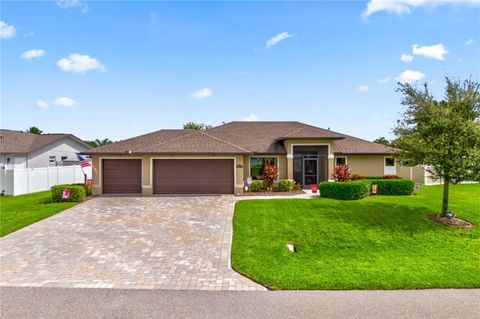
[{"x": 119, "y": 69}]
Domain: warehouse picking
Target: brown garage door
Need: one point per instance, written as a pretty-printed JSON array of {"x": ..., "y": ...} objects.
[
  {"x": 122, "y": 176},
  {"x": 193, "y": 176}
]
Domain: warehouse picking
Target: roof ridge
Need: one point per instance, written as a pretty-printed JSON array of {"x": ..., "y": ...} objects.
[
  {"x": 298, "y": 130},
  {"x": 169, "y": 141},
  {"x": 226, "y": 142}
]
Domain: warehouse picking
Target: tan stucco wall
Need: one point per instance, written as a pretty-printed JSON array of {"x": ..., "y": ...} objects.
[
  {"x": 147, "y": 187},
  {"x": 373, "y": 165},
  {"x": 368, "y": 165}
]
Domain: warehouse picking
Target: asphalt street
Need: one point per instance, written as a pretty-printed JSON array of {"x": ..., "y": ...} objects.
[{"x": 132, "y": 303}]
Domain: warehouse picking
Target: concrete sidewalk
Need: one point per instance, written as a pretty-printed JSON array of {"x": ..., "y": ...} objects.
[{"x": 135, "y": 303}]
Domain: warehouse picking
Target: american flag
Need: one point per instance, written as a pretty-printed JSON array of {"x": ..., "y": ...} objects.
[{"x": 83, "y": 161}]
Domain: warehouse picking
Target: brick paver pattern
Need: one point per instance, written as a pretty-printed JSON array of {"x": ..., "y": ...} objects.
[{"x": 128, "y": 242}]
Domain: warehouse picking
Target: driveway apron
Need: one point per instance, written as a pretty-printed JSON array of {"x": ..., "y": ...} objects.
[{"x": 128, "y": 242}]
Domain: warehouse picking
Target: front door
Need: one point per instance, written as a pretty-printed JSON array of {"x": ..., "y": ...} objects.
[{"x": 310, "y": 171}]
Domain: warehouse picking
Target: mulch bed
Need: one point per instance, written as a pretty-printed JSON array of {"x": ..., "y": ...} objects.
[
  {"x": 454, "y": 221},
  {"x": 273, "y": 193}
]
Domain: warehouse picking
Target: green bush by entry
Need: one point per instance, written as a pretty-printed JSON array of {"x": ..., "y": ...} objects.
[
  {"x": 394, "y": 187},
  {"x": 345, "y": 190},
  {"x": 286, "y": 185},
  {"x": 77, "y": 193},
  {"x": 256, "y": 186}
]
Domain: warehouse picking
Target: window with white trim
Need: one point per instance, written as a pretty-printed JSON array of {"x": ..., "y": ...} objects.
[
  {"x": 257, "y": 164},
  {"x": 64, "y": 158},
  {"x": 341, "y": 160},
  {"x": 389, "y": 161}
]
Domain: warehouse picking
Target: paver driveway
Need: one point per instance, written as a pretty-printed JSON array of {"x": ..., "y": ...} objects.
[{"x": 128, "y": 242}]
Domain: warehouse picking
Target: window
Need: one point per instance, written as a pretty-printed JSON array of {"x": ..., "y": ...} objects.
[
  {"x": 64, "y": 158},
  {"x": 9, "y": 159},
  {"x": 340, "y": 161},
  {"x": 52, "y": 160},
  {"x": 258, "y": 163},
  {"x": 389, "y": 161}
]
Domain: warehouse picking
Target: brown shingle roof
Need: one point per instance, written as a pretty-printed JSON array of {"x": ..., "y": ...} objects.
[
  {"x": 170, "y": 142},
  {"x": 354, "y": 145},
  {"x": 17, "y": 142},
  {"x": 237, "y": 138},
  {"x": 261, "y": 137}
]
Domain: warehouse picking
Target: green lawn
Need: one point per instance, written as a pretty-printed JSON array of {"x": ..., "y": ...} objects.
[
  {"x": 20, "y": 211},
  {"x": 383, "y": 242}
]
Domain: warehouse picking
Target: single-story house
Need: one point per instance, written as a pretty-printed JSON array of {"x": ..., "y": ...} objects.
[
  {"x": 222, "y": 159},
  {"x": 26, "y": 150}
]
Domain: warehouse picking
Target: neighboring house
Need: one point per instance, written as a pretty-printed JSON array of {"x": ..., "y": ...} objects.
[
  {"x": 26, "y": 150},
  {"x": 222, "y": 159}
]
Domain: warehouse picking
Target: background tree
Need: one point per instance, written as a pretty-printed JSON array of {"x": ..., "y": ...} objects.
[
  {"x": 34, "y": 130},
  {"x": 98, "y": 142},
  {"x": 196, "y": 126},
  {"x": 384, "y": 141},
  {"x": 443, "y": 135}
]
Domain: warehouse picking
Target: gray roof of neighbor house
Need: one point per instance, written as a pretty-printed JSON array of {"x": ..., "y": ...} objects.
[
  {"x": 257, "y": 137},
  {"x": 18, "y": 142}
]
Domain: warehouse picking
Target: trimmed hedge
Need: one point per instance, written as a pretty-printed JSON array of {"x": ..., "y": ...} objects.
[
  {"x": 286, "y": 185},
  {"x": 77, "y": 193},
  {"x": 256, "y": 186},
  {"x": 395, "y": 187},
  {"x": 345, "y": 190}
]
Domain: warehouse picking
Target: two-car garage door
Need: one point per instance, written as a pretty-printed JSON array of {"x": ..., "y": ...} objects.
[
  {"x": 193, "y": 176},
  {"x": 170, "y": 176}
]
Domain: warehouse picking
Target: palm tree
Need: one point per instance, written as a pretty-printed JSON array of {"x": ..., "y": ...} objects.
[
  {"x": 34, "y": 130},
  {"x": 196, "y": 126},
  {"x": 103, "y": 142},
  {"x": 98, "y": 142}
]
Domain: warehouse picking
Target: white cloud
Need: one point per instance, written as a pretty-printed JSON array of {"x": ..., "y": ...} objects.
[
  {"x": 470, "y": 42},
  {"x": 406, "y": 58},
  {"x": 202, "y": 94},
  {"x": 383, "y": 81},
  {"x": 42, "y": 104},
  {"x": 251, "y": 118},
  {"x": 436, "y": 51},
  {"x": 363, "y": 88},
  {"x": 405, "y": 6},
  {"x": 6, "y": 31},
  {"x": 68, "y": 4},
  {"x": 409, "y": 76},
  {"x": 276, "y": 39},
  {"x": 30, "y": 54},
  {"x": 78, "y": 63},
  {"x": 64, "y": 101}
]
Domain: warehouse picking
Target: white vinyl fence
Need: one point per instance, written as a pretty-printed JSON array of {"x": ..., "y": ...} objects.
[{"x": 20, "y": 181}]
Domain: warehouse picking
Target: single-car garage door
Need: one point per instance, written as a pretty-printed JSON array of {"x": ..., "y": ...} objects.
[
  {"x": 193, "y": 176},
  {"x": 122, "y": 176}
]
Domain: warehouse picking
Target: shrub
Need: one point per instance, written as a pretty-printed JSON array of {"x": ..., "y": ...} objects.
[
  {"x": 256, "y": 186},
  {"x": 286, "y": 185},
  {"x": 341, "y": 173},
  {"x": 270, "y": 173},
  {"x": 373, "y": 177},
  {"x": 395, "y": 187},
  {"x": 297, "y": 186},
  {"x": 77, "y": 193},
  {"x": 89, "y": 189},
  {"x": 356, "y": 177},
  {"x": 391, "y": 177},
  {"x": 346, "y": 191}
]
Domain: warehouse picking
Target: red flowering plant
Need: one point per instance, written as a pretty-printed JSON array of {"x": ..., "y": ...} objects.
[
  {"x": 341, "y": 173},
  {"x": 270, "y": 174}
]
